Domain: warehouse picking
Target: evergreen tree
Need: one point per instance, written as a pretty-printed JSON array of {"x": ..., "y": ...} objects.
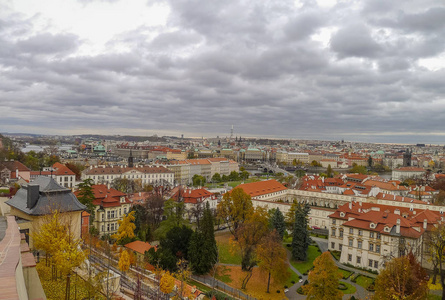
[
  {"x": 86, "y": 195},
  {"x": 202, "y": 248},
  {"x": 329, "y": 171},
  {"x": 300, "y": 235},
  {"x": 277, "y": 222}
]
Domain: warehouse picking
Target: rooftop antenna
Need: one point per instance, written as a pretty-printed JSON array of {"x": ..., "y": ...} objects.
[{"x": 231, "y": 133}]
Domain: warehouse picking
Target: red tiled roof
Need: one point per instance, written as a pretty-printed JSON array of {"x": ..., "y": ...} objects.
[
  {"x": 139, "y": 246},
  {"x": 62, "y": 169},
  {"x": 262, "y": 187},
  {"x": 106, "y": 197},
  {"x": 410, "y": 169}
]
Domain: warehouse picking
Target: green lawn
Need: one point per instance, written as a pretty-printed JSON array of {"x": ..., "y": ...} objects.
[
  {"x": 222, "y": 274},
  {"x": 351, "y": 289},
  {"x": 305, "y": 266},
  {"x": 344, "y": 273},
  {"x": 293, "y": 277},
  {"x": 434, "y": 297},
  {"x": 336, "y": 254},
  {"x": 225, "y": 255},
  {"x": 364, "y": 281}
]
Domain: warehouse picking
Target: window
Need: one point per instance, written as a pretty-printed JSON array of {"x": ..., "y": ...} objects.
[
  {"x": 359, "y": 259},
  {"x": 376, "y": 264},
  {"x": 108, "y": 214},
  {"x": 370, "y": 263},
  {"x": 359, "y": 244},
  {"x": 112, "y": 214},
  {"x": 341, "y": 232},
  {"x": 371, "y": 234},
  {"x": 103, "y": 228},
  {"x": 351, "y": 230},
  {"x": 377, "y": 248},
  {"x": 360, "y": 232},
  {"x": 379, "y": 236},
  {"x": 334, "y": 221},
  {"x": 349, "y": 257},
  {"x": 351, "y": 241},
  {"x": 333, "y": 245},
  {"x": 340, "y": 247},
  {"x": 371, "y": 247},
  {"x": 108, "y": 227},
  {"x": 333, "y": 231}
]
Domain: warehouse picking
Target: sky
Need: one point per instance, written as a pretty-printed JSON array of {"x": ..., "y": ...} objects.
[{"x": 369, "y": 71}]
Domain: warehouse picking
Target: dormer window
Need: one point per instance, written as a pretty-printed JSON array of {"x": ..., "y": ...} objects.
[
  {"x": 386, "y": 228},
  {"x": 372, "y": 225},
  {"x": 342, "y": 214}
]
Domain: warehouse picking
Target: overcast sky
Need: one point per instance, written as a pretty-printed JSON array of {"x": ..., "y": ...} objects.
[{"x": 370, "y": 70}]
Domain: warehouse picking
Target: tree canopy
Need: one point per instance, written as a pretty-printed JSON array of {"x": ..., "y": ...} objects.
[
  {"x": 323, "y": 279},
  {"x": 402, "y": 278},
  {"x": 300, "y": 234},
  {"x": 235, "y": 208},
  {"x": 125, "y": 232}
]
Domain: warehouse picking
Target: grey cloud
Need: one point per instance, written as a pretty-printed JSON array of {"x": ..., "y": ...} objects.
[
  {"x": 354, "y": 40},
  {"x": 47, "y": 43}
]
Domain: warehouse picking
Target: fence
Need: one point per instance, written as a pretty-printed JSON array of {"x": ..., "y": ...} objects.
[{"x": 219, "y": 285}]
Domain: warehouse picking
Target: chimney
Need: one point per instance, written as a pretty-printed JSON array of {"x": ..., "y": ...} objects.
[
  {"x": 424, "y": 224},
  {"x": 32, "y": 195},
  {"x": 398, "y": 226},
  {"x": 350, "y": 205},
  {"x": 17, "y": 173}
]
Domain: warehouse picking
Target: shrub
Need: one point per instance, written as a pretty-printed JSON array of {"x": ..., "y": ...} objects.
[
  {"x": 293, "y": 282},
  {"x": 278, "y": 291},
  {"x": 285, "y": 286},
  {"x": 300, "y": 291},
  {"x": 342, "y": 286},
  {"x": 305, "y": 282},
  {"x": 288, "y": 245}
]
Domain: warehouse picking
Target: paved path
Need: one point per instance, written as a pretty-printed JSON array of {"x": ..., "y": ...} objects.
[{"x": 3, "y": 226}]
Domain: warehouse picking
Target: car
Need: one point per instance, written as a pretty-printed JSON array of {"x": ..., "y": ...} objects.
[
  {"x": 301, "y": 280},
  {"x": 286, "y": 290}
]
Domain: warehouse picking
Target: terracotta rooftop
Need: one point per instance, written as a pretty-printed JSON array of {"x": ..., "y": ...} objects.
[
  {"x": 262, "y": 187},
  {"x": 139, "y": 246}
]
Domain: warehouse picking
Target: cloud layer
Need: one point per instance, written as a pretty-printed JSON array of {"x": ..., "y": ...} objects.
[{"x": 360, "y": 70}]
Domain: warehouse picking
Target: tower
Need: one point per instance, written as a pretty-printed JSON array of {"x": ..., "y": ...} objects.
[
  {"x": 407, "y": 158},
  {"x": 130, "y": 160},
  {"x": 231, "y": 133}
]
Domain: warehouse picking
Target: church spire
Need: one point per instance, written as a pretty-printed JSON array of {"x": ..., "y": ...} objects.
[{"x": 130, "y": 160}]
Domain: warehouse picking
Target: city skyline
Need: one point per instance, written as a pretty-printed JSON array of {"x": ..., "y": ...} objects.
[{"x": 365, "y": 71}]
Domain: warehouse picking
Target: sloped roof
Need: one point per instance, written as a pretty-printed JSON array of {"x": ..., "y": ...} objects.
[
  {"x": 52, "y": 196},
  {"x": 139, "y": 246},
  {"x": 262, "y": 187}
]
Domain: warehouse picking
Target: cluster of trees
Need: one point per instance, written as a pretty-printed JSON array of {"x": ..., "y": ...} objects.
[
  {"x": 233, "y": 176},
  {"x": 257, "y": 235},
  {"x": 127, "y": 186},
  {"x": 182, "y": 243}
]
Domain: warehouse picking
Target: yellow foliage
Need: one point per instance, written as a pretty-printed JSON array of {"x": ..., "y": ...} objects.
[
  {"x": 124, "y": 261},
  {"x": 126, "y": 228},
  {"x": 435, "y": 287},
  {"x": 167, "y": 283}
]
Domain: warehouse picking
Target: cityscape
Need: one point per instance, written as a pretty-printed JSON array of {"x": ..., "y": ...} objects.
[{"x": 222, "y": 150}]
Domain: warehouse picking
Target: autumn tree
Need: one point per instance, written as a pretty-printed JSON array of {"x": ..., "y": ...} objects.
[
  {"x": 235, "y": 208},
  {"x": 182, "y": 274},
  {"x": 272, "y": 258},
  {"x": 248, "y": 236},
  {"x": 436, "y": 246},
  {"x": 125, "y": 232},
  {"x": 55, "y": 238},
  {"x": 402, "y": 278},
  {"x": 124, "y": 261},
  {"x": 167, "y": 283},
  {"x": 277, "y": 222},
  {"x": 300, "y": 234},
  {"x": 323, "y": 280}
]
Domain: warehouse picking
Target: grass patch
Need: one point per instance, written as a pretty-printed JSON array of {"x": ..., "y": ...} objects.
[
  {"x": 350, "y": 288},
  {"x": 336, "y": 254},
  {"x": 199, "y": 286},
  {"x": 293, "y": 277},
  {"x": 4, "y": 191},
  {"x": 305, "y": 266},
  {"x": 224, "y": 249},
  {"x": 364, "y": 281},
  {"x": 223, "y": 274},
  {"x": 345, "y": 273},
  {"x": 434, "y": 297}
]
